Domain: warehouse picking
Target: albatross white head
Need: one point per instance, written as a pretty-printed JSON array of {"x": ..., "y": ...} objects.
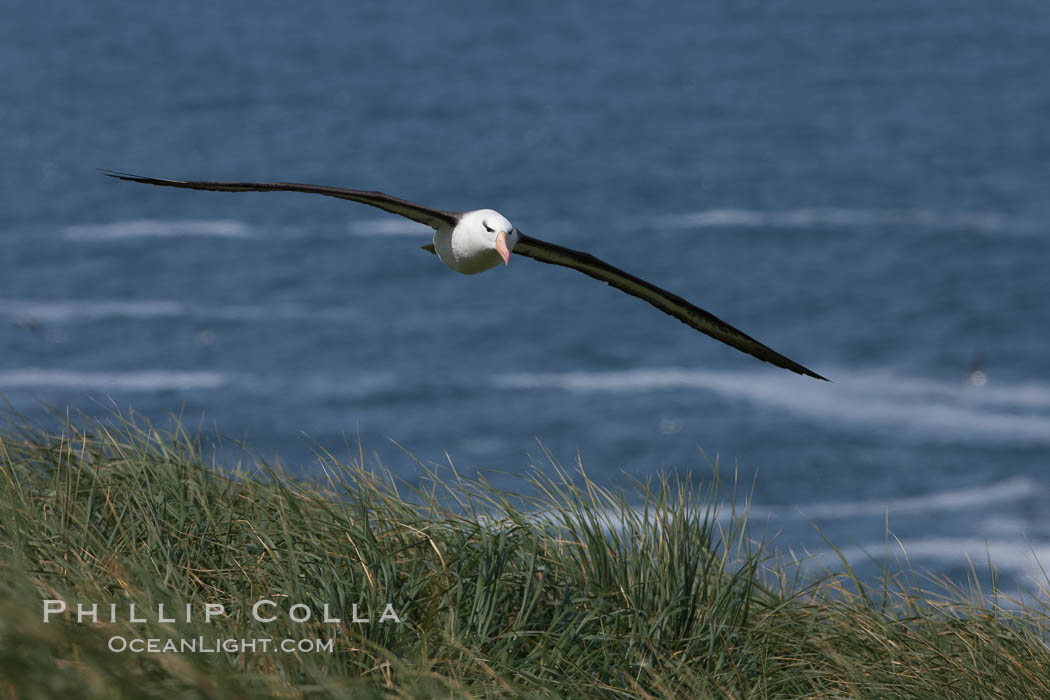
[{"x": 481, "y": 240}]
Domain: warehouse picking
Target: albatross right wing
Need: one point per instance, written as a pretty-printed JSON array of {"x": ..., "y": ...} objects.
[{"x": 665, "y": 301}]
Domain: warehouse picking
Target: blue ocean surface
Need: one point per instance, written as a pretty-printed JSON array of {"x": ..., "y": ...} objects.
[{"x": 861, "y": 186}]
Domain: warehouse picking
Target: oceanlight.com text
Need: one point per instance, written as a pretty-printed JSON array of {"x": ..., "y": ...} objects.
[{"x": 204, "y": 645}]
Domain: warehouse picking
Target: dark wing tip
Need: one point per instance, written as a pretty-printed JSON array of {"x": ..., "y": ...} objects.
[
  {"x": 130, "y": 177},
  {"x": 775, "y": 358},
  {"x": 767, "y": 354}
]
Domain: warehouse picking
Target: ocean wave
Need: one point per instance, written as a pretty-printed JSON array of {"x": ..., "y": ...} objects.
[
  {"x": 74, "y": 310},
  {"x": 822, "y": 217},
  {"x": 917, "y": 406},
  {"x": 61, "y": 311},
  {"x": 1020, "y": 557},
  {"x": 133, "y": 381},
  {"x": 391, "y": 226},
  {"x": 1005, "y": 491},
  {"x": 310, "y": 386},
  {"x": 155, "y": 228}
]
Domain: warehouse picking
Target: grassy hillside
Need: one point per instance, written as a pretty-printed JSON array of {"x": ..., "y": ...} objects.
[{"x": 570, "y": 593}]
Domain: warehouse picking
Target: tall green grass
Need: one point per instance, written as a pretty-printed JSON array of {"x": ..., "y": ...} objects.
[{"x": 568, "y": 592}]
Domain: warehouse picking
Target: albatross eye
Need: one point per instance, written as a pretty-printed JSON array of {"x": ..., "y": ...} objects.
[{"x": 488, "y": 228}]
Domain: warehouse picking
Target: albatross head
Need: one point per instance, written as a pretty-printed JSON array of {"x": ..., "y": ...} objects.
[{"x": 487, "y": 231}]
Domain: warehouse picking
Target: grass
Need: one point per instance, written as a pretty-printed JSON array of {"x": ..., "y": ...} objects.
[{"x": 568, "y": 593}]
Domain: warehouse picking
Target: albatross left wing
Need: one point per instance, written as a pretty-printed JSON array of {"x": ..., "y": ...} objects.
[
  {"x": 434, "y": 218},
  {"x": 665, "y": 301}
]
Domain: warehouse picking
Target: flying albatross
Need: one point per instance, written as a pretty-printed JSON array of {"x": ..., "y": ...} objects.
[{"x": 474, "y": 241}]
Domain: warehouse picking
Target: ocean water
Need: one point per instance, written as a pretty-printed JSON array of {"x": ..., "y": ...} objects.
[{"x": 861, "y": 186}]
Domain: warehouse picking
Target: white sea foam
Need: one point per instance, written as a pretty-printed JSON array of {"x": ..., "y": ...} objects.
[
  {"x": 391, "y": 226},
  {"x": 268, "y": 312},
  {"x": 922, "y": 407},
  {"x": 154, "y": 228},
  {"x": 1015, "y": 555},
  {"x": 133, "y": 381},
  {"x": 72, "y": 310},
  {"x": 62, "y": 311},
  {"x": 846, "y": 218},
  {"x": 1006, "y": 491}
]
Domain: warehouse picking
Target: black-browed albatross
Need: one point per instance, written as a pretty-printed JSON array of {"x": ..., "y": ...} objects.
[{"x": 474, "y": 241}]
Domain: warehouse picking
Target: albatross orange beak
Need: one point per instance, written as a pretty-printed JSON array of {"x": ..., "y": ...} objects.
[{"x": 501, "y": 247}]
